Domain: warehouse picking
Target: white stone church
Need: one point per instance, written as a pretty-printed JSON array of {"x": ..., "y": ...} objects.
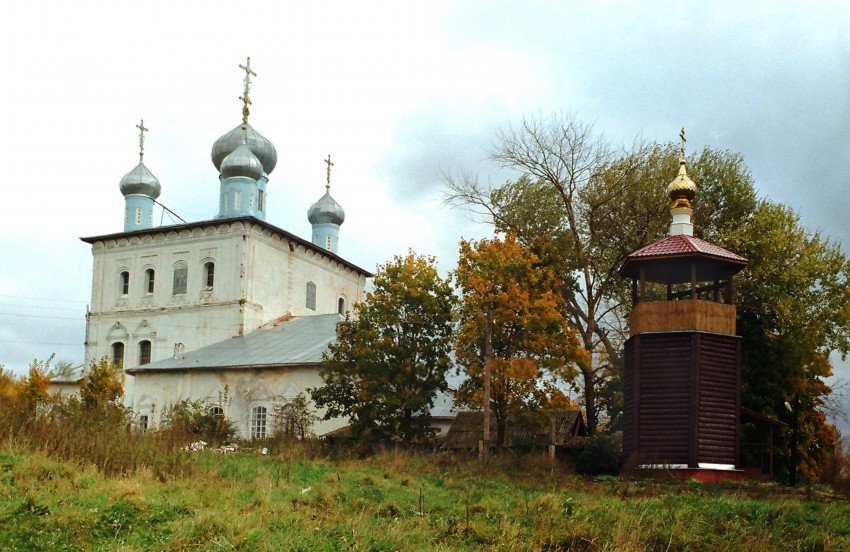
[{"x": 232, "y": 311}]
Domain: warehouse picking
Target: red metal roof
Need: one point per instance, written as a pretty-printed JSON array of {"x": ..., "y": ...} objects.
[{"x": 684, "y": 245}]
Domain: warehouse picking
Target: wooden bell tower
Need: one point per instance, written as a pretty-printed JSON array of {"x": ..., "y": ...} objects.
[{"x": 682, "y": 359}]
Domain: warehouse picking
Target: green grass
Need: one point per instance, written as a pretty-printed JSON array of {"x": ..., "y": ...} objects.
[{"x": 397, "y": 501}]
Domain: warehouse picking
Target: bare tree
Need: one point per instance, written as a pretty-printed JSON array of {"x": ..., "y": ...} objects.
[{"x": 572, "y": 199}]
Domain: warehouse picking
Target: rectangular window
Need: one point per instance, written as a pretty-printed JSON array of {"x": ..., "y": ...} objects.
[
  {"x": 209, "y": 275},
  {"x": 237, "y": 200},
  {"x": 117, "y": 353},
  {"x": 251, "y": 202},
  {"x": 260, "y": 201},
  {"x": 149, "y": 280},
  {"x": 258, "y": 422},
  {"x": 125, "y": 283},
  {"x": 138, "y": 215},
  {"x": 144, "y": 352},
  {"x": 328, "y": 243}
]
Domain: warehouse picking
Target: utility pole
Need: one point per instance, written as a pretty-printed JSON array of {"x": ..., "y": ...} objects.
[{"x": 484, "y": 445}]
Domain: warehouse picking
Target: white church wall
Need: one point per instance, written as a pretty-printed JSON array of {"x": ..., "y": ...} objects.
[
  {"x": 279, "y": 271},
  {"x": 237, "y": 391},
  {"x": 260, "y": 275}
]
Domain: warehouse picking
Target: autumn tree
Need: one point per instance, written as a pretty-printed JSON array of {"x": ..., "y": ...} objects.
[
  {"x": 33, "y": 387},
  {"x": 391, "y": 355},
  {"x": 103, "y": 383},
  {"x": 587, "y": 206},
  {"x": 531, "y": 337}
]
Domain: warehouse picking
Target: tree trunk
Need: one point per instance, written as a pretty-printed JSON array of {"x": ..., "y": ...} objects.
[
  {"x": 590, "y": 400},
  {"x": 500, "y": 433}
]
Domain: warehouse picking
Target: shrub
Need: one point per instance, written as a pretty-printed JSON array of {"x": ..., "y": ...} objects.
[
  {"x": 196, "y": 420},
  {"x": 601, "y": 455}
]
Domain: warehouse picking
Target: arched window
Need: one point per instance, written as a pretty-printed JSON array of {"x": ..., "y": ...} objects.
[
  {"x": 216, "y": 412},
  {"x": 181, "y": 274},
  {"x": 209, "y": 275},
  {"x": 144, "y": 352},
  {"x": 124, "y": 282},
  {"x": 149, "y": 280},
  {"x": 258, "y": 422},
  {"x": 340, "y": 307},
  {"x": 311, "y": 295},
  {"x": 143, "y": 423},
  {"x": 117, "y": 352}
]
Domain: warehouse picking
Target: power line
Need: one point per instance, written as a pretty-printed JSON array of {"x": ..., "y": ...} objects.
[{"x": 45, "y": 299}]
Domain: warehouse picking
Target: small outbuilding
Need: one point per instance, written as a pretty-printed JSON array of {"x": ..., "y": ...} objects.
[{"x": 561, "y": 431}]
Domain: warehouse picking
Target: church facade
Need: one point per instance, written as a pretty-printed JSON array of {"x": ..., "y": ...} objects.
[{"x": 231, "y": 311}]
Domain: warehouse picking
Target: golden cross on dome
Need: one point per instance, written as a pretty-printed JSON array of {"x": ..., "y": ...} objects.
[
  {"x": 246, "y": 101},
  {"x": 682, "y": 136},
  {"x": 142, "y": 130},
  {"x": 329, "y": 164}
]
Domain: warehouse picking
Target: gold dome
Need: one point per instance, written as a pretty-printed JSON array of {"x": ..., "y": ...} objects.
[{"x": 682, "y": 189}]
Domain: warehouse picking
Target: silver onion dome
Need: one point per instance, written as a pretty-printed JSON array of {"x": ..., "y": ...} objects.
[
  {"x": 140, "y": 181},
  {"x": 259, "y": 145},
  {"x": 326, "y": 211},
  {"x": 242, "y": 162}
]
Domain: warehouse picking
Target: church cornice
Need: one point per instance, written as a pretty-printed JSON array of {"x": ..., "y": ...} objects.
[{"x": 189, "y": 231}]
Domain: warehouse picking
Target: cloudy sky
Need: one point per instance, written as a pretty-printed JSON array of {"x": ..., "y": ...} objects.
[{"x": 397, "y": 93}]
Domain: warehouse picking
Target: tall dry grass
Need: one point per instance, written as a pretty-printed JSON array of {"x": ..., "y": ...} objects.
[{"x": 100, "y": 434}]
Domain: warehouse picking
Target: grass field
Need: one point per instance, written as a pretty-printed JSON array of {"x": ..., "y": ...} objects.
[{"x": 397, "y": 501}]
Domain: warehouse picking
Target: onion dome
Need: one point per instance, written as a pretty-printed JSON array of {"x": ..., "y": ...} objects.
[
  {"x": 140, "y": 181},
  {"x": 326, "y": 211},
  {"x": 242, "y": 162},
  {"x": 682, "y": 189},
  {"x": 259, "y": 146}
]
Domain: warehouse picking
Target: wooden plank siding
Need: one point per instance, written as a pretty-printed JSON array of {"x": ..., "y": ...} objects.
[
  {"x": 684, "y": 315},
  {"x": 681, "y": 398},
  {"x": 718, "y": 399}
]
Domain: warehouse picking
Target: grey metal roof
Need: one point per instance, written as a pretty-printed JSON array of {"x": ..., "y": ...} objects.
[
  {"x": 295, "y": 342},
  {"x": 74, "y": 375}
]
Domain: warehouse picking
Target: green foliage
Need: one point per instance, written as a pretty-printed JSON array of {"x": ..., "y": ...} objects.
[
  {"x": 293, "y": 419},
  {"x": 793, "y": 311},
  {"x": 103, "y": 382},
  {"x": 599, "y": 455},
  {"x": 530, "y": 336},
  {"x": 391, "y": 355},
  {"x": 196, "y": 420}
]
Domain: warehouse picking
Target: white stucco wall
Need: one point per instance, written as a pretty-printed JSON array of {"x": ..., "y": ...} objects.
[{"x": 244, "y": 389}]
